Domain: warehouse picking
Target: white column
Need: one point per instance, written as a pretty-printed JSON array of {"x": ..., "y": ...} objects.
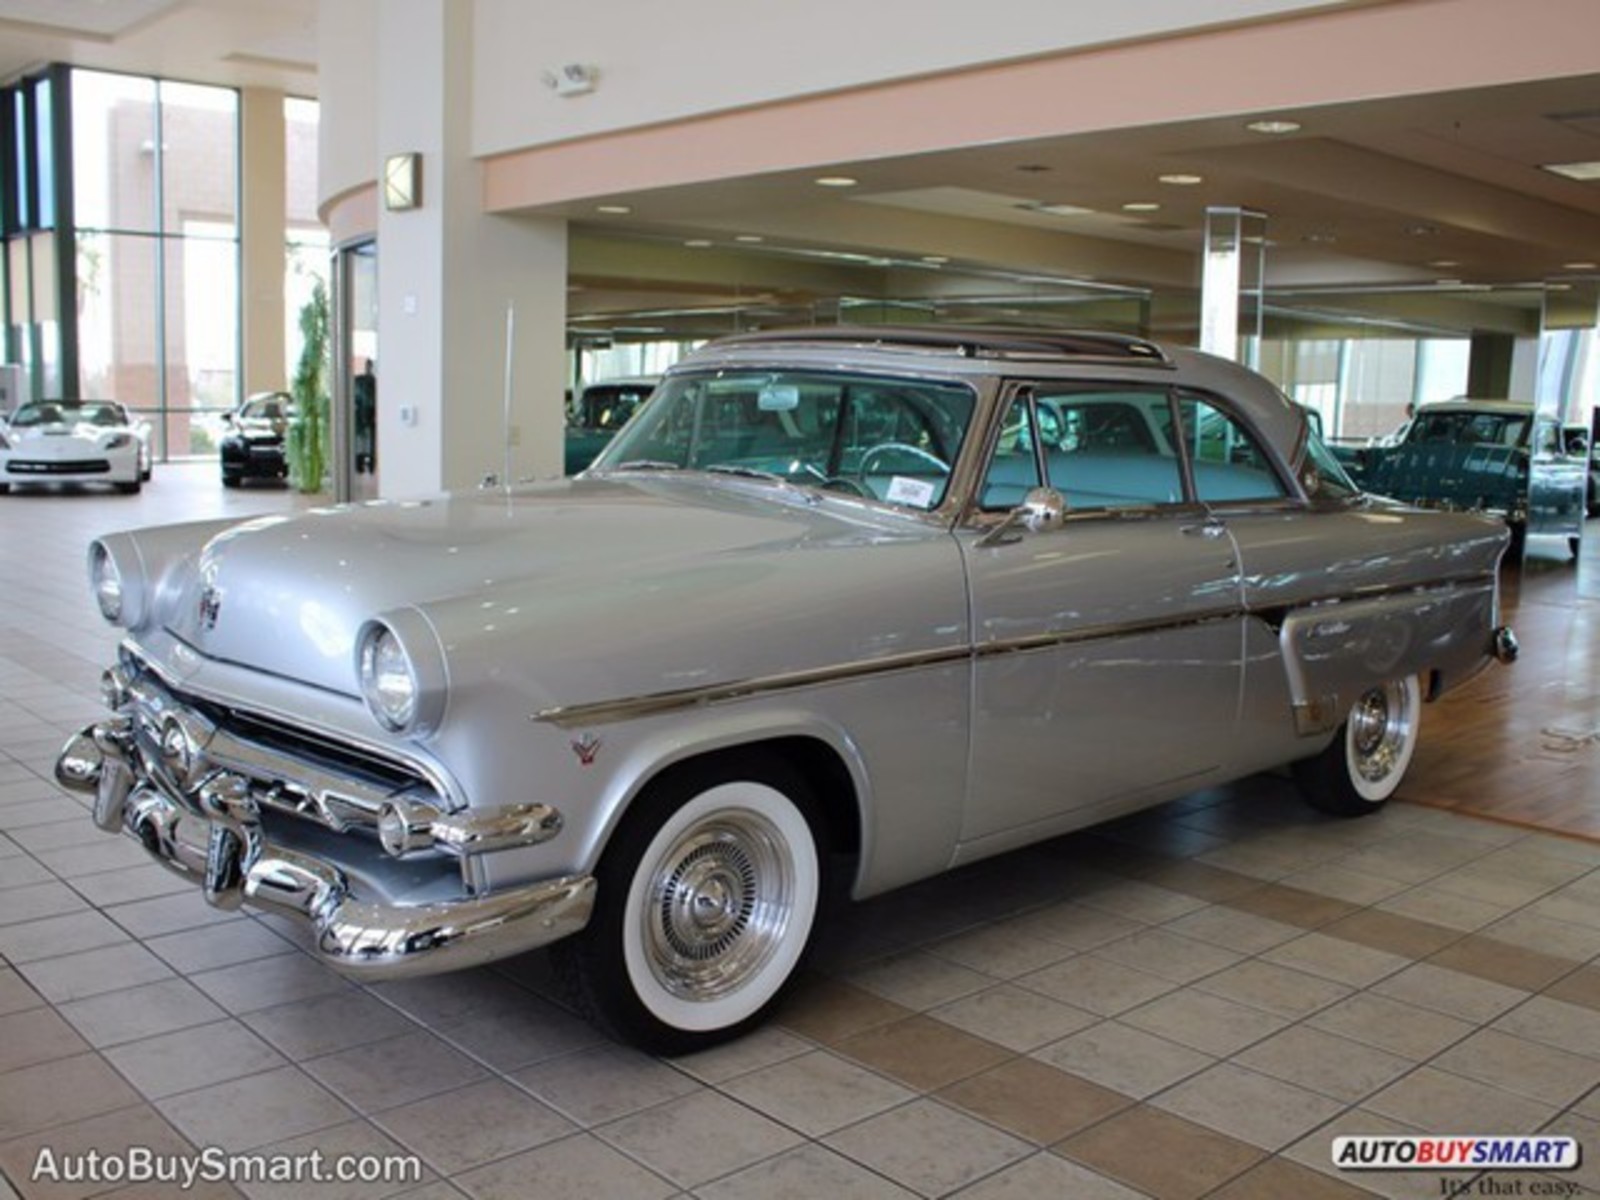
[
  {"x": 1230, "y": 284},
  {"x": 446, "y": 276},
  {"x": 263, "y": 228}
]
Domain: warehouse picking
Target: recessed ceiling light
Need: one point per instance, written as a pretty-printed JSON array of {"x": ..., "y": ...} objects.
[
  {"x": 935, "y": 259},
  {"x": 1319, "y": 239},
  {"x": 615, "y": 210},
  {"x": 698, "y": 243},
  {"x": 1450, "y": 283},
  {"x": 1421, "y": 229},
  {"x": 1579, "y": 266},
  {"x": 749, "y": 237},
  {"x": 1274, "y": 126},
  {"x": 835, "y": 181},
  {"x": 1141, "y": 206},
  {"x": 1443, "y": 264},
  {"x": 1181, "y": 179},
  {"x": 1584, "y": 172}
]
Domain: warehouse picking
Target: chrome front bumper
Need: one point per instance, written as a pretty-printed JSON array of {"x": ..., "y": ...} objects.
[{"x": 213, "y": 834}]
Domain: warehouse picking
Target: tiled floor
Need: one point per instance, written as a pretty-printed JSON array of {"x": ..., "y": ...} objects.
[{"x": 1188, "y": 1004}]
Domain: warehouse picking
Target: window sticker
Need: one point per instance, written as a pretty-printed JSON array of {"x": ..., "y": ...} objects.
[{"x": 910, "y": 491}]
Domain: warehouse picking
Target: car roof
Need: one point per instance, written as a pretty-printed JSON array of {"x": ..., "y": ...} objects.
[
  {"x": 975, "y": 353},
  {"x": 1508, "y": 408}
]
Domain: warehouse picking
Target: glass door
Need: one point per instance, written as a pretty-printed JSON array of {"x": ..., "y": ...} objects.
[{"x": 355, "y": 384}]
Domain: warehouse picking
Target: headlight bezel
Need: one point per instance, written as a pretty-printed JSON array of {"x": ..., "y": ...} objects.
[
  {"x": 399, "y": 652},
  {"x": 109, "y": 585}
]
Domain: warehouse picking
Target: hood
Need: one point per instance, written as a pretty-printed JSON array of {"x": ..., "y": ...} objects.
[
  {"x": 289, "y": 595},
  {"x": 61, "y": 429}
]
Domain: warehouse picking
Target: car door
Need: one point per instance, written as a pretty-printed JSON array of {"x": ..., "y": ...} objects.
[{"x": 1106, "y": 651}]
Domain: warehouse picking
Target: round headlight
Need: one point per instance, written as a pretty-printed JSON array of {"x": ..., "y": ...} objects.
[
  {"x": 388, "y": 681},
  {"x": 106, "y": 582}
]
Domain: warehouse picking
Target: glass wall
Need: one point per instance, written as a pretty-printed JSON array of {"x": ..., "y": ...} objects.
[
  {"x": 307, "y": 246},
  {"x": 156, "y": 203}
]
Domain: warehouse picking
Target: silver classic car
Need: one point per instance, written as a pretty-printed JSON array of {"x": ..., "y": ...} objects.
[{"x": 842, "y": 609}]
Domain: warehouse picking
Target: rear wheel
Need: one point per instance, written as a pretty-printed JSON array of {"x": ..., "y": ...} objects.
[
  {"x": 1364, "y": 764},
  {"x": 706, "y": 904}
]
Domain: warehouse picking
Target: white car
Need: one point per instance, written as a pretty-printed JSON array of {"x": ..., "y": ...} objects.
[{"x": 74, "y": 441}]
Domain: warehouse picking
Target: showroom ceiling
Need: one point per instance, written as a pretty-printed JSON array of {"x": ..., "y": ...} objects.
[{"x": 1426, "y": 198}]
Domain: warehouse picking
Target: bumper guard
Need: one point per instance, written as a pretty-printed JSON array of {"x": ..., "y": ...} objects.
[{"x": 235, "y": 864}]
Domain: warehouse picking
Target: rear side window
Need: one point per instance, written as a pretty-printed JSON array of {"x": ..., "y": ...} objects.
[{"x": 1228, "y": 463}]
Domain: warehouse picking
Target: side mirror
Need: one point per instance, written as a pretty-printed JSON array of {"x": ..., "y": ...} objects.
[{"x": 1041, "y": 510}]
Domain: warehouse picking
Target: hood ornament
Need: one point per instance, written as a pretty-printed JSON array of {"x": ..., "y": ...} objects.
[{"x": 586, "y": 748}]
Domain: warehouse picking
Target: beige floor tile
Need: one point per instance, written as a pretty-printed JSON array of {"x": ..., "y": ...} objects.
[
  {"x": 1530, "y": 1069},
  {"x": 59, "y": 1092},
  {"x": 1336, "y": 960},
  {"x": 1097, "y": 985},
  {"x": 807, "y": 1171},
  {"x": 15, "y": 994},
  {"x": 918, "y": 980},
  {"x": 193, "y": 1058},
  {"x": 1391, "y": 1025},
  {"x": 581, "y": 1167},
  {"x": 1280, "y": 1179},
  {"x": 328, "y": 1023},
  {"x": 830, "y": 1010},
  {"x": 92, "y": 972},
  {"x": 142, "y": 882},
  {"x": 818, "y": 1092},
  {"x": 458, "y": 1130},
  {"x": 352, "y": 1139},
  {"x": 1466, "y": 997},
  {"x": 248, "y": 987},
  {"x": 1292, "y": 906},
  {"x": 1434, "y": 1100},
  {"x": 1169, "y": 956},
  {"x": 50, "y": 1154},
  {"x": 48, "y": 937},
  {"x": 603, "y": 1083},
  {"x": 191, "y": 951},
  {"x": 1249, "y": 1106},
  {"x": 929, "y": 1148},
  {"x": 257, "y": 1110},
  {"x": 1235, "y": 930},
  {"x": 1325, "y": 1063},
  {"x": 1047, "y": 1174},
  {"x": 1124, "y": 1059},
  {"x": 1570, "y": 1027},
  {"x": 33, "y": 901},
  {"x": 1341, "y": 883},
  {"x": 1000, "y": 951},
  {"x": 1393, "y": 932},
  {"x": 167, "y": 914},
  {"x": 537, "y": 1031},
  {"x": 1014, "y": 1017},
  {"x": 1582, "y": 988},
  {"x": 395, "y": 1071},
  {"x": 1034, "y": 1100},
  {"x": 140, "y": 1012},
  {"x": 1560, "y": 939},
  {"x": 1142, "y": 901},
  {"x": 1502, "y": 963},
  {"x": 1274, "y": 989},
  {"x": 438, "y": 1000},
  {"x": 36, "y": 1035},
  {"x": 699, "y": 1138},
  {"x": 922, "y": 1053},
  {"x": 1161, "y": 1155},
  {"x": 1203, "y": 1021},
  {"x": 1076, "y": 926}
]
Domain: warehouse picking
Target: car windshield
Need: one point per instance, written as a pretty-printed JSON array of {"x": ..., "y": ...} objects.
[
  {"x": 608, "y": 406},
  {"x": 269, "y": 408},
  {"x": 893, "y": 440},
  {"x": 56, "y": 412},
  {"x": 1469, "y": 428}
]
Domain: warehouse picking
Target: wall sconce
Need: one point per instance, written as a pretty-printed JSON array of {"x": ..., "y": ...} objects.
[
  {"x": 402, "y": 182},
  {"x": 571, "y": 79}
]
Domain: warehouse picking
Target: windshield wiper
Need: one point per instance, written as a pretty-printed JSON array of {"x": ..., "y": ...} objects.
[
  {"x": 744, "y": 472},
  {"x": 645, "y": 464},
  {"x": 765, "y": 476}
]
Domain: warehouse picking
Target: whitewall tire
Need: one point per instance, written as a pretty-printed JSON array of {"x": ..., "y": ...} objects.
[{"x": 1364, "y": 764}]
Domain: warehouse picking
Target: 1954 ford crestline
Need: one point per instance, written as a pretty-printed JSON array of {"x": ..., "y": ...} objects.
[{"x": 838, "y": 610}]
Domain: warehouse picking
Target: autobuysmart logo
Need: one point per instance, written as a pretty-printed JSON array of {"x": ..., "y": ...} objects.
[{"x": 1431, "y": 1152}]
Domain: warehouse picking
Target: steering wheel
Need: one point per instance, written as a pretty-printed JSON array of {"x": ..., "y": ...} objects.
[
  {"x": 853, "y": 487},
  {"x": 874, "y": 452}
]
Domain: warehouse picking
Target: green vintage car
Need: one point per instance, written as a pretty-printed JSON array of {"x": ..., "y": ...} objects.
[
  {"x": 1492, "y": 456},
  {"x": 602, "y": 409}
]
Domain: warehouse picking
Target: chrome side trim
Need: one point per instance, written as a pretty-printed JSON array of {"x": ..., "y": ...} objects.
[{"x": 604, "y": 712}]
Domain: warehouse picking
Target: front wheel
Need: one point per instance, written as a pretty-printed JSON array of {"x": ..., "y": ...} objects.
[
  {"x": 706, "y": 904},
  {"x": 1364, "y": 764}
]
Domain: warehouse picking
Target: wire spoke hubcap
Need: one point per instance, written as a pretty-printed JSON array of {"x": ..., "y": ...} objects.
[
  {"x": 721, "y": 900},
  {"x": 1380, "y": 728}
]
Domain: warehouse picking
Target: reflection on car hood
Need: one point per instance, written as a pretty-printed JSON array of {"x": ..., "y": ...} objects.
[
  {"x": 290, "y": 595},
  {"x": 80, "y": 429}
]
